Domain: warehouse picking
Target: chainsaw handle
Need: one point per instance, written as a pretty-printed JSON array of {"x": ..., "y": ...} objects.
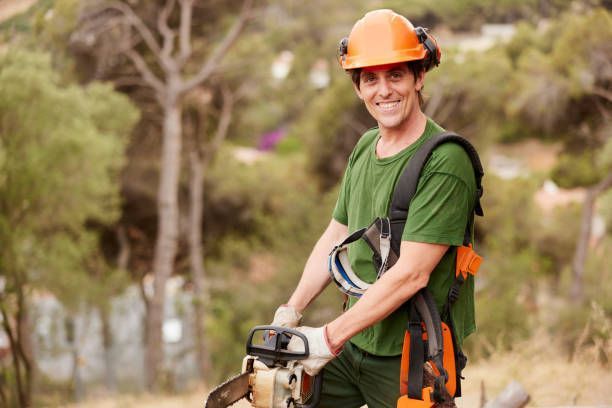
[{"x": 273, "y": 348}]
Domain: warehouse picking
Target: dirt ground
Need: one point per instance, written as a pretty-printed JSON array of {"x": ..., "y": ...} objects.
[{"x": 547, "y": 375}]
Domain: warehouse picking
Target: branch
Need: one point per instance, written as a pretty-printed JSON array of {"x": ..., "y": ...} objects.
[
  {"x": 166, "y": 31},
  {"x": 142, "y": 67},
  {"x": 91, "y": 28},
  {"x": 603, "y": 185},
  {"x": 185, "y": 30},
  {"x": 143, "y": 294},
  {"x": 129, "y": 81},
  {"x": 213, "y": 60},
  {"x": 123, "y": 256},
  {"x": 13, "y": 346},
  {"x": 607, "y": 95},
  {"x": 223, "y": 125},
  {"x": 137, "y": 23}
]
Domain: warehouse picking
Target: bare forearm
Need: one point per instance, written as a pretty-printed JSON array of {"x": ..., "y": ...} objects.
[
  {"x": 315, "y": 276},
  {"x": 380, "y": 300},
  {"x": 392, "y": 290},
  {"x": 314, "y": 279}
]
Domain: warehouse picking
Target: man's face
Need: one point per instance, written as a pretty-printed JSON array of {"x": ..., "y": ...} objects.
[{"x": 390, "y": 94}]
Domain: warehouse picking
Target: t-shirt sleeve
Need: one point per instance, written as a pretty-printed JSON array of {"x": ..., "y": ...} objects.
[
  {"x": 340, "y": 213},
  {"x": 439, "y": 210}
]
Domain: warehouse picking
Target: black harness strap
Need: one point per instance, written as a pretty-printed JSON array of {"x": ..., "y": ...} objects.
[
  {"x": 423, "y": 311},
  {"x": 406, "y": 186},
  {"x": 417, "y": 354}
]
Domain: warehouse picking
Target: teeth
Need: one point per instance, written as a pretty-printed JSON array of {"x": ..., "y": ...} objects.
[{"x": 387, "y": 105}]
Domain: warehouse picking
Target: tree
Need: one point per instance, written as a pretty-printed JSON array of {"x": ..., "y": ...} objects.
[
  {"x": 61, "y": 147},
  {"x": 562, "y": 92},
  {"x": 170, "y": 83}
]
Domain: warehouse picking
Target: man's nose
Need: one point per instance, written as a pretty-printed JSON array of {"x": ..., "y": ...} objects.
[{"x": 384, "y": 88}]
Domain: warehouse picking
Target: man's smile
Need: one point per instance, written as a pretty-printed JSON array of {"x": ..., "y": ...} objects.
[{"x": 388, "y": 106}]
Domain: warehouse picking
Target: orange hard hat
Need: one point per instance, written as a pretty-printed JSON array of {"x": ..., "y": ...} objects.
[{"x": 385, "y": 37}]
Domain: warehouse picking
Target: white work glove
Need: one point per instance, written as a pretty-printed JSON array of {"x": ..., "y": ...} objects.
[
  {"x": 287, "y": 316},
  {"x": 318, "y": 345}
]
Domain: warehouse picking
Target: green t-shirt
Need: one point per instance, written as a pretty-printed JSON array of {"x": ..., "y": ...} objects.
[{"x": 438, "y": 213}]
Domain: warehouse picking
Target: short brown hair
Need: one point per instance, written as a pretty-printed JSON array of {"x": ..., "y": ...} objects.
[{"x": 416, "y": 67}]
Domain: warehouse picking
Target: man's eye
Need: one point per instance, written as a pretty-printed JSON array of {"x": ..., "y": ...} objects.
[{"x": 396, "y": 75}]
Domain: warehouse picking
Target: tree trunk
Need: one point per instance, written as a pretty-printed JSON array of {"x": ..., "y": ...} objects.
[
  {"x": 582, "y": 246},
  {"x": 167, "y": 233},
  {"x": 27, "y": 350},
  {"x": 21, "y": 346},
  {"x": 78, "y": 387},
  {"x": 196, "y": 258},
  {"x": 110, "y": 378},
  {"x": 19, "y": 395},
  {"x": 123, "y": 256}
]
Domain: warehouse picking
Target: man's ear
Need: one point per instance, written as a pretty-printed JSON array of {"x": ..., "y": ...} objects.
[
  {"x": 420, "y": 81},
  {"x": 357, "y": 91}
]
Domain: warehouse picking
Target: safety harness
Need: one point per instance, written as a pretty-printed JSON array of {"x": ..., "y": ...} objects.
[{"x": 430, "y": 335}]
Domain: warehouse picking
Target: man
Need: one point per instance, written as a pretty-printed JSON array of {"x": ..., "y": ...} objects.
[{"x": 361, "y": 349}]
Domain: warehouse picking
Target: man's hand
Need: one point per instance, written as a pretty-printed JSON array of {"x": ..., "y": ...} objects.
[
  {"x": 287, "y": 316},
  {"x": 318, "y": 345}
]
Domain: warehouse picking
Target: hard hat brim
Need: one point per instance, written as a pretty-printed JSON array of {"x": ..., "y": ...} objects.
[{"x": 357, "y": 61}]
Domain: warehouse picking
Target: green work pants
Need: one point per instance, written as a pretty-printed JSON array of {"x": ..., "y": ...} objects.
[{"x": 356, "y": 378}]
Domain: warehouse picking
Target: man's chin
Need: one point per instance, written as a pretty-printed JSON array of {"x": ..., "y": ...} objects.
[{"x": 388, "y": 123}]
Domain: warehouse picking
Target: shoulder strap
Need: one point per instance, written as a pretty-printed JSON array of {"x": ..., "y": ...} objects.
[{"x": 408, "y": 181}]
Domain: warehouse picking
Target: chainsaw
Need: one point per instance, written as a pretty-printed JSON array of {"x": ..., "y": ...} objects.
[{"x": 272, "y": 376}]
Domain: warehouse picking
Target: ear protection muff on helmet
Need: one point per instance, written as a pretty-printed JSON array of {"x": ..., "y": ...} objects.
[
  {"x": 343, "y": 49},
  {"x": 429, "y": 43}
]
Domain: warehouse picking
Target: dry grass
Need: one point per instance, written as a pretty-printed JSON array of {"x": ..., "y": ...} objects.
[
  {"x": 546, "y": 374},
  {"x": 538, "y": 365}
]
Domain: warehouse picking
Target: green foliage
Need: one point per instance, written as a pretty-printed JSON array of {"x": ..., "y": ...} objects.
[
  {"x": 555, "y": 239},
  {"x": 311, "y": 36},
  {"x": 278, "y": 215},
  {"x": 556, "y": 83},
  {"x": 467, "y": 93},
  {"x": 574, "y": 169},
  {"x": 471, "y": 14},
  {"x": 504, "y": 282},
  {"x": 329, "y": 127},
  {"x": 56, "y": 26},
  {"x": 61, "y": 151}
]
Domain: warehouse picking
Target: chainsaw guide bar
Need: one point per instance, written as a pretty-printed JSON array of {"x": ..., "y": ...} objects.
[{"x": 229, "y": 392}]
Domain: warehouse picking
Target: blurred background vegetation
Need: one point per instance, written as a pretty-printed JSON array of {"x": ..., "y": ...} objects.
[{"x": 265, "y": 137}]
